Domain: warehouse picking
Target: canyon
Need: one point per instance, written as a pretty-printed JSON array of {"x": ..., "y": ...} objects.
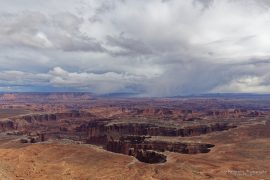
[{"x": 149, "y": 132}]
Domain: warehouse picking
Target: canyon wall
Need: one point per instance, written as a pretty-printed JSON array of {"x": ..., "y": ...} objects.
[
  {"x": 101, "y": 129},
  {"x": 150, "y": 151}
]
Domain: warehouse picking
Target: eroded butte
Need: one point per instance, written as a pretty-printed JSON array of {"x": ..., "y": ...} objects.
[{"x": 82, "y": 136}]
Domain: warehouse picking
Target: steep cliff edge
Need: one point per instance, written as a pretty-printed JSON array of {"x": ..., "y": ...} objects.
[
  {"x": 150, "y": 151},
  {"x": 6, "y": 125},
  {"x": 96, "y": 130}
]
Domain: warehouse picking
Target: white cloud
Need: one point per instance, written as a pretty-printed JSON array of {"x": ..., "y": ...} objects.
[
  {"x": 158, "y": 48},
  {"x": 245, "y": 85},
  {"x": 57, "y": 77}
]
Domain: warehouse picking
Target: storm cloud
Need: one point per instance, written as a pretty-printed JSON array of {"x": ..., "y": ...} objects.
[{"x": 151, "y": 48}]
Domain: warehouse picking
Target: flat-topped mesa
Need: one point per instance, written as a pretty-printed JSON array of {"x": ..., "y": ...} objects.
[
  {"x": 51, "y": 123},
  {"x": 30, "y": 118},
  {"x": 173, "y": 113},
  {"x": 234, "y": 113},
  {"x": 203, "y": 129},
  {"x": 142, "y": 111},
  {"x": 157, "y": 112},
  {"x": 185, "y": 114},
  {"x": 97, "y": 130}
]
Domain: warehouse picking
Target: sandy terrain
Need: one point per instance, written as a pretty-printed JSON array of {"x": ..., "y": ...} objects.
[{"x": 247, "y": 157}]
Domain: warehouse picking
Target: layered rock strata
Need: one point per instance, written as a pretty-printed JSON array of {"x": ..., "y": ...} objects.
[{"x": 149, "y": 151}]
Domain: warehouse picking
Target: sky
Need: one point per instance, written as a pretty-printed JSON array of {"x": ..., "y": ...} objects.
[{"x": 148, "y": 48}]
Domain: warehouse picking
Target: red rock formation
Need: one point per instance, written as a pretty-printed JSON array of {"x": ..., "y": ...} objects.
[
  {"x": 101, "y": 129},
  {"x": 54, "y": 116},
  {"x": 145, "y": 151},
  {"x": 149, "y": 156},
  {"x": 6, "y": 125},
  {"x": 124, "y": 146}
]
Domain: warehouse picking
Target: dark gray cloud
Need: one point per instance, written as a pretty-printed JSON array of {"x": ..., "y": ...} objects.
[
  {"x": 155, "y": 48},
  {"x": 128, "y": 46}
]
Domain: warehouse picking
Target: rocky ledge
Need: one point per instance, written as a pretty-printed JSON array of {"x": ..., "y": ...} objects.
[
  {"x": 99, "y": 131},
  {"x": 151, "y": 151}
]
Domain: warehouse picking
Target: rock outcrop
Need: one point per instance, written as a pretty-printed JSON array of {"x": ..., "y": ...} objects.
[
  {"x": 101, "y": 130},
  {"x": 151, "y": 157},
  {"x": 149, "y": 151},
  {"x": 33, "y": 138},
  {"x": 54, "y": 116},
  {"x": 123, "y": 145},
  {"x": 6, "y": 125}
]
